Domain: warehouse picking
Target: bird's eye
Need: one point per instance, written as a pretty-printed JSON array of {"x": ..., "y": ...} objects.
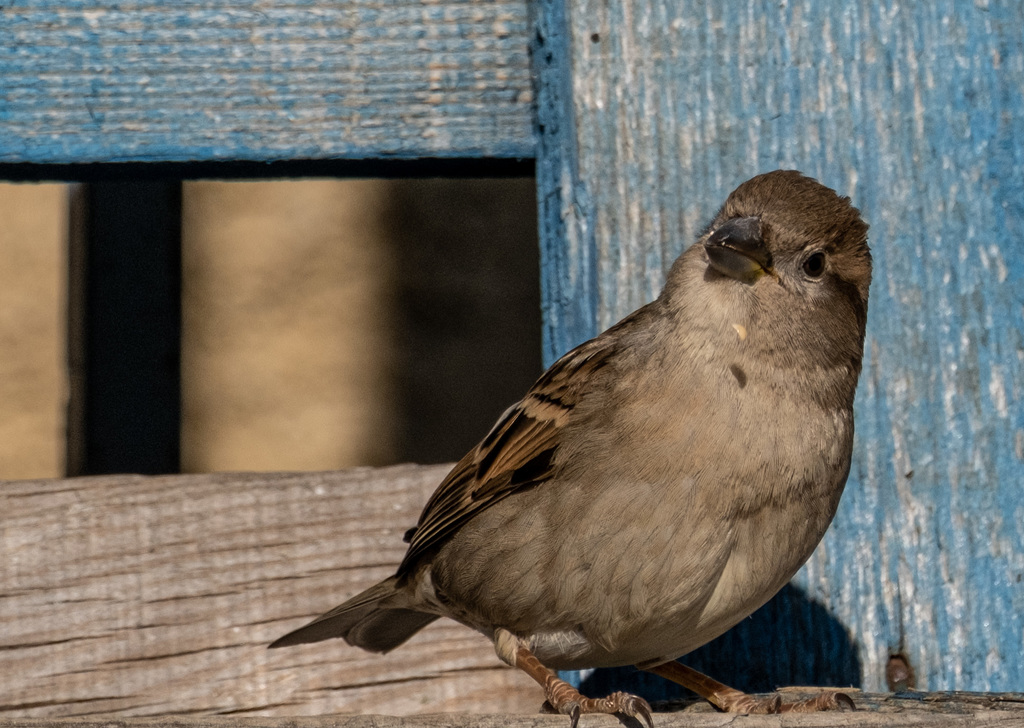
[{"x": 814, "y": 266}]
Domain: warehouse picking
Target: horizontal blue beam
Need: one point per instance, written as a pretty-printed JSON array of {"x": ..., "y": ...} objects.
[{"x": 108, "y": 81}]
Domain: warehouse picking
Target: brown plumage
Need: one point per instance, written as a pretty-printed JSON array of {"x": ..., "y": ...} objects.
[{"x": 663, "y": 480}]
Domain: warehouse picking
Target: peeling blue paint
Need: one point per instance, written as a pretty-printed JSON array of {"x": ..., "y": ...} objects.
[
  {"x": 113, "y": 81},
  {"x": 916, "y": 111}
]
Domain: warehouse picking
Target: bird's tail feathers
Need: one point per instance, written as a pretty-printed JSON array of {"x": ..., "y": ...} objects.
[{"x": 367, "y": 620}]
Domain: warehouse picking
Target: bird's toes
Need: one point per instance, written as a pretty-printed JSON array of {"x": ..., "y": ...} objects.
[
  {"x": 827, "y": 700},
  {"x": 573, "y": 712},
  {"x": 766, "y": 706},
  {"x": 844, "y": 702},
  {"x": 639, "y": 708},
  {"x": 628, "y": 704}
]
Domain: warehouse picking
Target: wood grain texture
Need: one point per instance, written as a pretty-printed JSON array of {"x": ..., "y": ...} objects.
[
  {"x": 128, "y": 596},
  {"x": 921, "y": 710},
  {"x": 143, "y": 596},
  {"x": 651, "y": 111},
  {"x": 156, "y": 81}
]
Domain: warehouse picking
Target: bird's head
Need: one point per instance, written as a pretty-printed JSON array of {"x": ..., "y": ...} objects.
[{"x": 787, "y": 258}]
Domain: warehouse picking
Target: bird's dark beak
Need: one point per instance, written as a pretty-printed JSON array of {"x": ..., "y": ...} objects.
[{"x": 736, "y": 249}]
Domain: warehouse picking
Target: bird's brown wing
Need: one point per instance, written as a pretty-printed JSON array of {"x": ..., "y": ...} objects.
[{"x": 519, "y": 452}]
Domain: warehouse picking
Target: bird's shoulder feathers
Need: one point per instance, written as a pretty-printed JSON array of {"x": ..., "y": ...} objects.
[{"x": 521, "y": 449}]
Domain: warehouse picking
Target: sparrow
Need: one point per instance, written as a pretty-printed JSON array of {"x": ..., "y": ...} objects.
[{"x": 661, "y": 481}]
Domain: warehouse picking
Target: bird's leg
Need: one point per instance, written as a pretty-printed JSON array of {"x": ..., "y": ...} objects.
[
  {"x": 562, "y": 696},
  {"x": 731, "y": 700},
  {"x": 566, "y": 699}
]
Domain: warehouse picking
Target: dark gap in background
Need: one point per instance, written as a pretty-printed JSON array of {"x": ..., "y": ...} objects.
[{"x": 467, "y": 301}]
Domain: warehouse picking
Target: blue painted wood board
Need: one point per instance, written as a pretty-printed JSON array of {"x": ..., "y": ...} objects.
[
  {"x": 651, "y": 111},
  {"x": 162, "y": 81}
]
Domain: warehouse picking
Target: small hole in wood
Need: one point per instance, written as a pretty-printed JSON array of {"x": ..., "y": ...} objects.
[
  {"x": 899, "y": 675},
  {"x": 595, "y": 37}
]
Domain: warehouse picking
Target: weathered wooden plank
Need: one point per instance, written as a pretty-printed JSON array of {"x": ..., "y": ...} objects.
[
  {"x": 127, "y": 596},
  {"x": 651, "y": 111},
  {"x": 143, "y": 596},
  {"x": 449, "y": 720},
  {"x": 883, "y": 711},
  {"x": 116, "y": 81}
]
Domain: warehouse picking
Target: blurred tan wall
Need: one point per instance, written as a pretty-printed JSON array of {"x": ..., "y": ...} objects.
[
  {"x": 286, "y": 326},
  {"x": 32, "y": 372},
  {"x": 326, "y": 323}
]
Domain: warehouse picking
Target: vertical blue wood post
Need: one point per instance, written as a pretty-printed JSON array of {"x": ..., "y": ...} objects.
[{"x": 651, "y": 111}]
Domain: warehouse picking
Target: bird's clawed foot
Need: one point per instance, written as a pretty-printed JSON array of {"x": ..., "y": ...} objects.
[
  {"x": 738, "y": 702},
  {"x": 730, "y": 700},
  {"x": 564, "y": 698},
  {"x": 826, "y": 700}
]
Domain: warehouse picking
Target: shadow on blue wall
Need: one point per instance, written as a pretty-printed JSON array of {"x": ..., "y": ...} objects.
[{"x": 791, "y": 640}]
